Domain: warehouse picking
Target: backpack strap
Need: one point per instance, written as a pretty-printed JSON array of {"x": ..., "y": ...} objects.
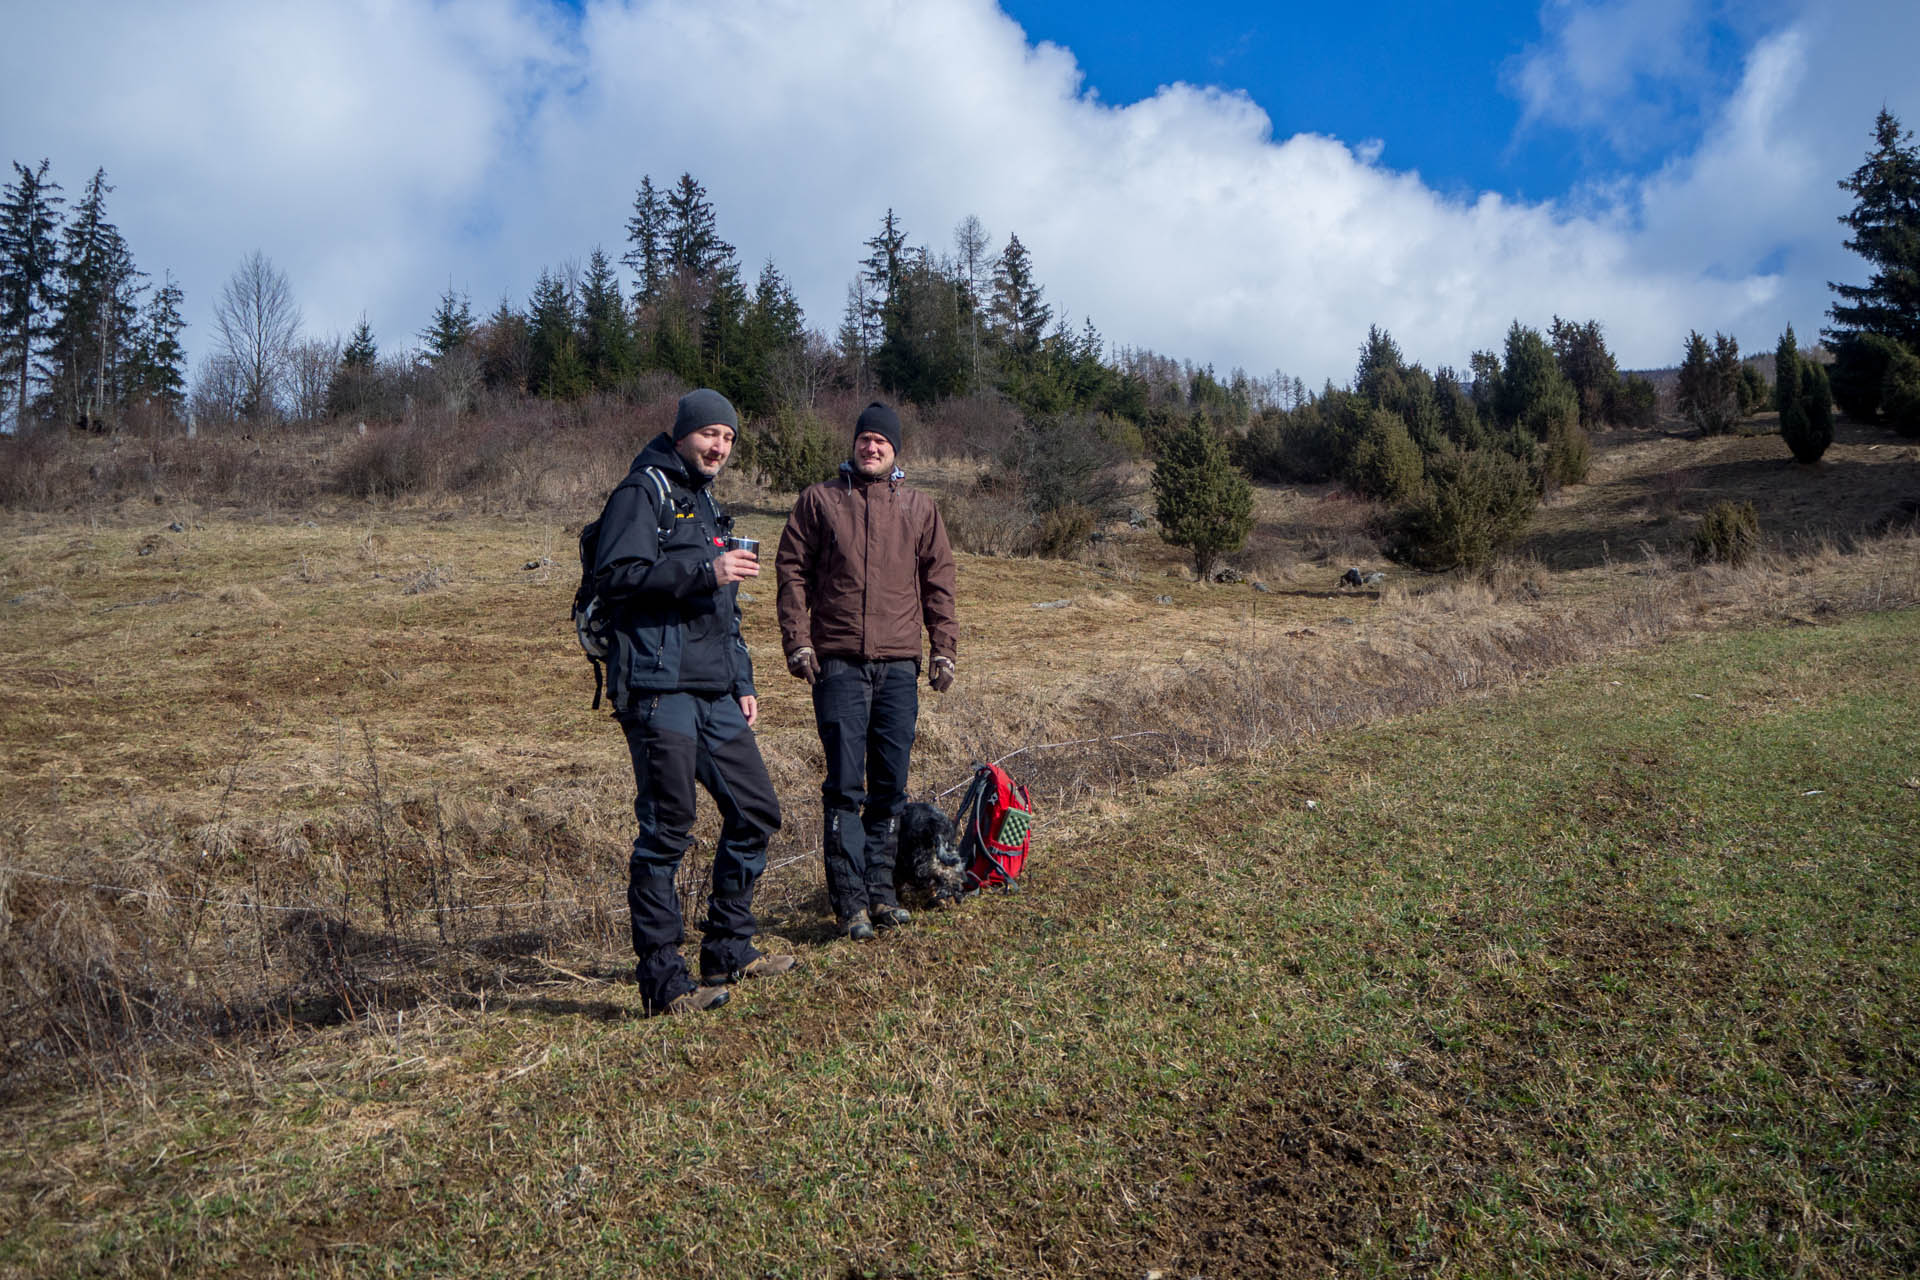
[{"x": 663, "y": 502}]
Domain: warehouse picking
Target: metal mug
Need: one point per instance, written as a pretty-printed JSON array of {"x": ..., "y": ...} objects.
[{"x": 743, "y": 544}]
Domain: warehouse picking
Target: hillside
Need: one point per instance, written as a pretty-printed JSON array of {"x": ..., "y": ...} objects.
[{"x": 315, "y": 851}]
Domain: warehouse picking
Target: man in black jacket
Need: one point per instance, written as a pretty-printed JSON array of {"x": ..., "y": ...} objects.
[{"x": 682, "y": 688}]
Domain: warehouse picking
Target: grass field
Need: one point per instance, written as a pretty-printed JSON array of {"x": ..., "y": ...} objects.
[
  {"x": 1556, "y": 920},
  {"x": 1612, "y": 974}
]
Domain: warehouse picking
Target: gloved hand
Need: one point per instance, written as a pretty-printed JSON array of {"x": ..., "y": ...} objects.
[
  {"x": 804, "y": 665},
  {"x": 941, "y": 675}
]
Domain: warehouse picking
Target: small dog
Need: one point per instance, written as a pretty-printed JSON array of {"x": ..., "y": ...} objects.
[{"x": 928, "y": 866}]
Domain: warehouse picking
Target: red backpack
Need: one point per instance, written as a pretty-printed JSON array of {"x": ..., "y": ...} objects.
[{"x": 995, "y": 822}]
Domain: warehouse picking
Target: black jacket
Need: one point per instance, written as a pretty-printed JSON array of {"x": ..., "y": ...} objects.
[{"x": 674, "y": 630}]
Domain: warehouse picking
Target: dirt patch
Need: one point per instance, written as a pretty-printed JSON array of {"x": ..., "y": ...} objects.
[{"x": 1285, "y": 1174}]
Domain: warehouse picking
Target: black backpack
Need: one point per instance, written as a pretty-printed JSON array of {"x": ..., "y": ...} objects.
[{"x": 592, "y": 620}]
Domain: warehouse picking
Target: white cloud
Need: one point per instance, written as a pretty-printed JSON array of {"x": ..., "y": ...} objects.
[{"x": 377, "y": 150}]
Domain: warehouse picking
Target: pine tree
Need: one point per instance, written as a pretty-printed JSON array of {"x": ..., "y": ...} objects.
[
  {"x": 1885, "y": 221},
  {"x": 606, "y": 339},
  {"x": 885, "y": 260},
  {"x": 1020, "y": 317},
  {"x": 361, "y": 351},
  {"x": 858, "y": 334},
  {"x": 923, "y": 354},
  {"x": 504, "y": 349},
  {"x": 452, "y": 326},
  {"x": 160, "y": 362},
  {"x": 1201, "y": 500},
  {"x": 694, "y": 245},
  {"x": 647, "y": 233},
  {"x": 723, "y": 333},
  {"x": 28, "y": 257},
  {"x": 772, "y": 345},
  {"x": 1581, "y": 352},
  {"x": 354, "y": 386},
  {"x": 551, "y": 329},
  {"x": 98, "y": 304}
]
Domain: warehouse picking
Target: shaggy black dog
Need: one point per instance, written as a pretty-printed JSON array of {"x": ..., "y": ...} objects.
[{"x": 928, "y": 866}]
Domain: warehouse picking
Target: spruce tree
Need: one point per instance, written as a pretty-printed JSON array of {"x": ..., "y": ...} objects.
[
  {"x": 1885, "y": 221},
  {"x": 361, "y": 351},
  {"x": 884, "y": 263},
  {"x": 452, "y": 326},
  {"x": 694, "y": 246},
  {"x": 97, "y": 296},
  {"x": 606, "y": 338},
  {"x": 551, "y": 327},
  {"x": 647, "y": 234},
  {"x": 1020, "y": 317},
  {"x": 28, "y": 258},
  {"x": 1201, "y": 500},
  {"x": 354, "y": 387},
  {"x": 160, "y": 361}
]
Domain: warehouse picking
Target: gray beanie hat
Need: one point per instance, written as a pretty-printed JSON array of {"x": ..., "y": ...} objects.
[
  {"x": 703, "y": 408},
  {"x": 879, "y": 418}
]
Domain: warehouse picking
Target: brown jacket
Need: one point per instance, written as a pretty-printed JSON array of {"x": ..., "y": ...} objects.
[{"x": 863, "y": 565}]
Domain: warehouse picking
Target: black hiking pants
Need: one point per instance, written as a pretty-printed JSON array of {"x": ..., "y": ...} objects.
[
  {"x": 676, "y": 740},
  {"x": 866, "y": 713}
]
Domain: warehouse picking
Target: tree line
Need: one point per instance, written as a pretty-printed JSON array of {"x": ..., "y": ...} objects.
[{"x": 84, "y": 339}]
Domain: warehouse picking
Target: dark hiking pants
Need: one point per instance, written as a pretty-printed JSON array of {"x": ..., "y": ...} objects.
[
  {"x": 865, "y": 712},
  {"x": 676, "y": 740}
]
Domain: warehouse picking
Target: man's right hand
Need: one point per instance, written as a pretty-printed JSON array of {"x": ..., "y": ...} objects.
[
  {"x": 804, "y": 665},
  {"x": 735, "y": 566}
]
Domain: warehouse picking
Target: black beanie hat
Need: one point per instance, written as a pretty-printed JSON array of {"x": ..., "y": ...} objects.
[
  {"x": 703, "y": 408},
  {"x": 879, "y": 418}
]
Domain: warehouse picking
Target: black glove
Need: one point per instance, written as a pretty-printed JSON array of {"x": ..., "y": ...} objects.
[
  {"x": 941, "y": 675},
  {"x": 804, "y": 665}
]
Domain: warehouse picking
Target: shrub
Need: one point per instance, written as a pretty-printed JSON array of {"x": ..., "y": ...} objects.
[
  {"x": 793, "y": 451},
  {"x": 1067, "y": 461},
  {"x": 1635, "y": 403},
  {"x": 1754, "y": 391},
  {"x": 1567, "y": 455},
  {"x": 1728, "y": 534},
  {"x": 1475, "y": 503},
  {"x": 1806, "y": 424},
  {"x": 1900, "y": 393},
  {"x": 1708, "y": 395},
  {"x": 1203, "y": 503},
  {"x": 388, "y": 462},
  {"x": 1386, "y": 462},
  {"x": 1859, "y": 373},
  {"x": 1297, "y": 446}
]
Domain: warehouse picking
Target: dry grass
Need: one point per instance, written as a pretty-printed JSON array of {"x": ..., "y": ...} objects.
[{"x": 314, "y": 766}]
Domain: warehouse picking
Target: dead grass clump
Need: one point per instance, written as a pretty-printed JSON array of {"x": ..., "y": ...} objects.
[
  {"x": 431, "y": 578},
  {"x": 244, "y": 596}
]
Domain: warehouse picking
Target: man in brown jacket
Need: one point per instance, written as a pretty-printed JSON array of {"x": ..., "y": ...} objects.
[{"x": 864, "y": 566}]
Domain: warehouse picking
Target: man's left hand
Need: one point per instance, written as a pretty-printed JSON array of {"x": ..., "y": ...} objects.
[
  {"x": 941, "y": 676},
  {"x": 750, "y": 708}
]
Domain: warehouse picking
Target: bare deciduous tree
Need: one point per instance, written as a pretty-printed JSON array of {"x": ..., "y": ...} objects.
[
  {"x": 310, "y": 369},
  {"x": 258, "y": 324}
]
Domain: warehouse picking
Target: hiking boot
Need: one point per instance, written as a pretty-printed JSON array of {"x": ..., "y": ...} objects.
[
  {"x": 693, "y": 1001},
  {"x": 758, "y": 967},
  {"x": 857, "y": 927},
  {"x": 889, "y": 915}
]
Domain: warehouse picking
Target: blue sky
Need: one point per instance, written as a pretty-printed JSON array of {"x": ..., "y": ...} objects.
[{"x": 1242, "y": 185}]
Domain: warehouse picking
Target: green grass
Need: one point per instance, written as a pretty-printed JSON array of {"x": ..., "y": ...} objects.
[{"x": 1615, "y": 974}]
